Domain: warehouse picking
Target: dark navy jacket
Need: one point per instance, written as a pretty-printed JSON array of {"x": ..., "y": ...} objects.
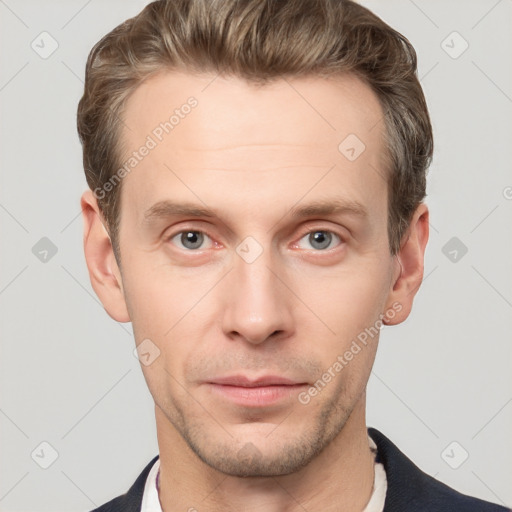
[{"x": 409, "y": 488}]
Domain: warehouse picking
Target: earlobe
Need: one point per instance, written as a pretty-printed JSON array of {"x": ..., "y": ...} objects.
[
  {"x": 104, "y": 272},
  {"x": 410, "y": 266}
]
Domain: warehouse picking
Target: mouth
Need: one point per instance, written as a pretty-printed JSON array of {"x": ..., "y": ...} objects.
[{"x": 261, "y": 392}]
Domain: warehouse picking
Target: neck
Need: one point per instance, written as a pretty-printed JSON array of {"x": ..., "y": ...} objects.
[{"x": 340, "y": 478}]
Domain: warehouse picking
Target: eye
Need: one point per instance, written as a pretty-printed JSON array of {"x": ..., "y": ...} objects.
[
  {"x": 320, "y": 239},
  {"x": 190, "y": 239},
  {"x": 193, "y": 240}
]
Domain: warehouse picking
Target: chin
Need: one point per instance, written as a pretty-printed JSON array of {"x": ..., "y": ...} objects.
[{"x": 268, "y": 454}]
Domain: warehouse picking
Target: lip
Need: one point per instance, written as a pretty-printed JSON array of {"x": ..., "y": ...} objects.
[
  {"x": 263, "y": 391},
  {"x": 246, "y": 382}
]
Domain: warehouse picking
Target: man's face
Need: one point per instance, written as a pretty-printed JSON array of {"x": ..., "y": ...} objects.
[{"x": 255, "y": 292}]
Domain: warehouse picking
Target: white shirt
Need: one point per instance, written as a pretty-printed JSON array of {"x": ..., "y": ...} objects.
[{"x": 151, "y": 502}]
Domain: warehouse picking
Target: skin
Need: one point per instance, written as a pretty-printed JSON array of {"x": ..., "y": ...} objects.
[{"x": 252, "y": 154}]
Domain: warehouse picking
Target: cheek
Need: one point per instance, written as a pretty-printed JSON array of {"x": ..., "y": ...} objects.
[
  {"x": 155, "y": 303},
  {"x": 347, "y": 304},
  {"x": 158, "y": 313},
  {"x": 348, "y": 299}
]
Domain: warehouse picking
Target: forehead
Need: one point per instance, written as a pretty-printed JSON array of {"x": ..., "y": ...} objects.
[
  {"x": 248, "y": 112},
  {"x": 223, "y": 133}
]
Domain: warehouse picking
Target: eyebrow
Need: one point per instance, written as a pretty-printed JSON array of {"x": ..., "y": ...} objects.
[{"x": 336, "y": 206}]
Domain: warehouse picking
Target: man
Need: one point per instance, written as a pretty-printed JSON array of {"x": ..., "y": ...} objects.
[{"x": 256, "y": 173}]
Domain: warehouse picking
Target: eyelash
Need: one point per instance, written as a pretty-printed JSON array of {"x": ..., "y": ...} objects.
[{"x": 309, "y": 232}]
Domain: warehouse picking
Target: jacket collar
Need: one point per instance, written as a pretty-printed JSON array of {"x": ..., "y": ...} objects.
[{"x": 408, "y": 488}]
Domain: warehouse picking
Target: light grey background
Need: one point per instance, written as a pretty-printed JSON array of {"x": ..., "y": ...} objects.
[{"x": 68, "y": 374}]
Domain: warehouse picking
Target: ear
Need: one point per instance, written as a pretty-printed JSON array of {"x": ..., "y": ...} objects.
[
  {"x": 409, "y": 266},
  {"x": 103, "y": 269}
]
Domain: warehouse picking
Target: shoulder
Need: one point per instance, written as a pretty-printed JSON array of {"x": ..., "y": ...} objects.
[
  {"x": 131, "y": 500},
  {"x": 409, "y": 488}
]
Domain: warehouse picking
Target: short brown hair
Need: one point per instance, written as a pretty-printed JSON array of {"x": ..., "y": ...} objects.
[{"x": 259, "y": 40}]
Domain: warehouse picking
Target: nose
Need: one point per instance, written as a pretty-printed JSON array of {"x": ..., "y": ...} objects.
[{"x": 259, "y": 302}]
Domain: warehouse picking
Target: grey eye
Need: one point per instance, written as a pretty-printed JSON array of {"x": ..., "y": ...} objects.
[
  {"x": 320, "y": 239},
  {"x": 190, "y": 239}
]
